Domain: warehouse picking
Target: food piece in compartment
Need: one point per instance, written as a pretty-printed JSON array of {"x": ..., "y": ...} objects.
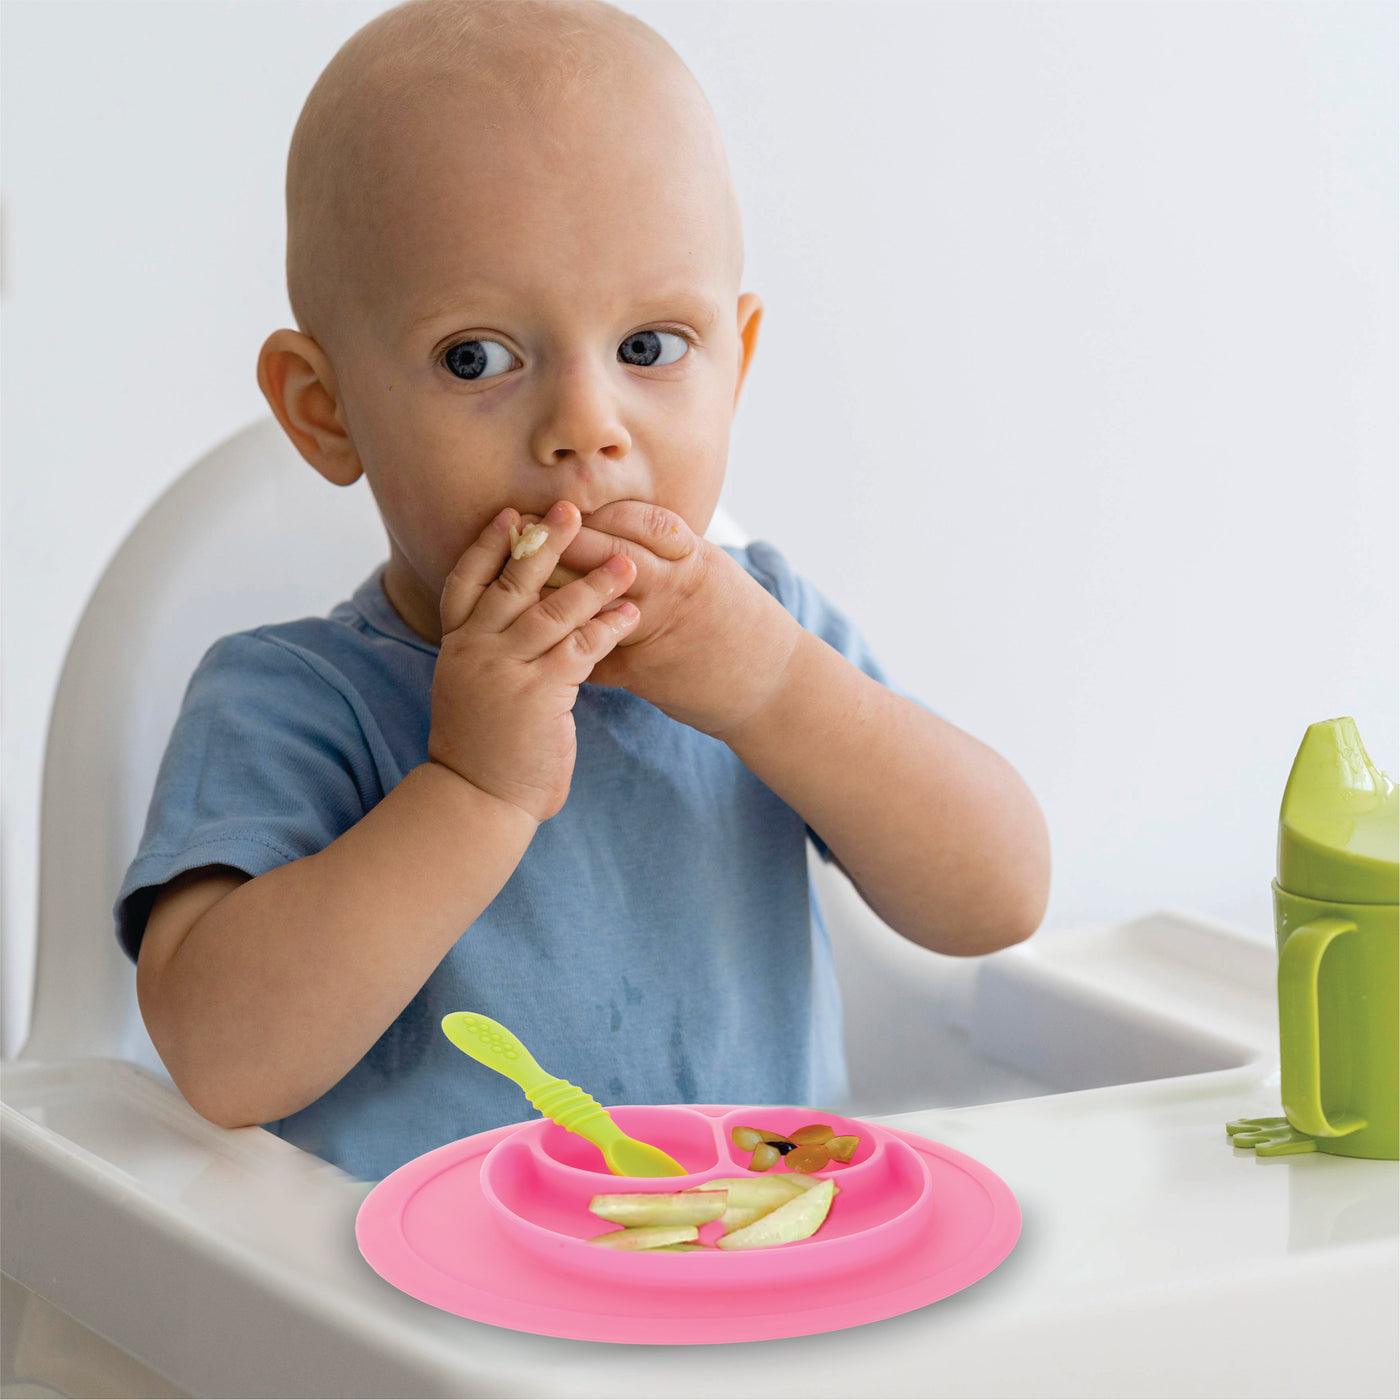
[
  {"x": 797, "y": 1220},
  {"x": 814, "y": 1141},
  {"x": 660, "y": 1208},
  {"x": 809, "y": 1159},
  {"x": 748, "y": 1198},
  {"x": 764, "y": 1156},
  {"x": 647, "y": 1236},
  {"x": 842, "y": 1149}
]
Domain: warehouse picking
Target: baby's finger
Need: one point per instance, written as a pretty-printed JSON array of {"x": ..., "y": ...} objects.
[
  {"x": 475, "y": 571},
  {"x": 567, "y": 611},
  {"x": 532, "y": 559},
  {"x": 653, "y": 527},
  {"x": 572, "y": 660}
]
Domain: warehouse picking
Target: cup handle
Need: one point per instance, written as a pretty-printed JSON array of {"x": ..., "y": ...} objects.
[{"x": 1299, "y": 1039}]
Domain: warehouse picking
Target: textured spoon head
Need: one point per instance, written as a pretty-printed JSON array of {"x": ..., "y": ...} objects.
[{"x": 628, "y": 1157}]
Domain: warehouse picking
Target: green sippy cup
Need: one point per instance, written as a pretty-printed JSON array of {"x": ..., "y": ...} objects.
[{"x": 1335, "y": 922}]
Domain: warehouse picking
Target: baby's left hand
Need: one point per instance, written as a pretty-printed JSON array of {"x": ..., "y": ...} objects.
[{"x": 712, "y": 643}]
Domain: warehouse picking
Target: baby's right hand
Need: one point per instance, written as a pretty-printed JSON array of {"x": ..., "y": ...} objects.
[{"x": 510, "y": 665}]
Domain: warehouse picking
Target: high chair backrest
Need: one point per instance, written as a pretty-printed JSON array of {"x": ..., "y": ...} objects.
[{"x": 249, "y": 534}]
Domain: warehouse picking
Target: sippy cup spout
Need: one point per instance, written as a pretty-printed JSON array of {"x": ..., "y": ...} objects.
[{"x": 1339, "y": 826}]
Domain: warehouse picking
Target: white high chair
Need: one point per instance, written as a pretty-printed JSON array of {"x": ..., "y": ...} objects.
[
  {"x": 121, "y": 1204},
  {"x": 148, "y": 1252}
]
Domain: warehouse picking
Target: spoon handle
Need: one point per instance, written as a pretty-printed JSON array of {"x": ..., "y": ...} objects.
[{"x": 497, "y": 1048}]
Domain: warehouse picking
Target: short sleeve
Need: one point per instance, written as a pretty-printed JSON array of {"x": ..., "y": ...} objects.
[
  {"x": 267, "y": 762},
  {"x": 806, "y": 603}
]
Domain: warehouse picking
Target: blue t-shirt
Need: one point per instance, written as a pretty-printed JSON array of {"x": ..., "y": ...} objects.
[{"x": 657, "y": 943}]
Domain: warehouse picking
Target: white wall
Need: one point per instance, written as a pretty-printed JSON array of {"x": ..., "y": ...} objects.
[{"x": 1100, "y": 299}]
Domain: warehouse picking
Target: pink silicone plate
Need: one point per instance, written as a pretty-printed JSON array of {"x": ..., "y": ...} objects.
[{"x": 494, "y": 1227}]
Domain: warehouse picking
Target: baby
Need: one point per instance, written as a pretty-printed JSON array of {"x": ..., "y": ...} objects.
[{"x": 572, "y": 789}]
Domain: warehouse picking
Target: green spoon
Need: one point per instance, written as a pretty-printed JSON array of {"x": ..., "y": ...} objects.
[{"x": 495, "y": 1047}]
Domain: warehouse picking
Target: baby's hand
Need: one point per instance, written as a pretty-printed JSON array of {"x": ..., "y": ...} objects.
[
  {"x": 712, "y": 642},
  {"x": 510, "y": 664}
]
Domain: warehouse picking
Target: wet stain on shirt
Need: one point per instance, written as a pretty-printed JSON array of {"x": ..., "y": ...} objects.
[
  {"x": 680, "y": 1065},
  {"x": 402, "y": 1047}
]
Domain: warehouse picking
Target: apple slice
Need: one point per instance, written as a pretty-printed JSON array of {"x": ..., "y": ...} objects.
[
  {"x": 678, "y": 1248},
  {"x": 752, "y": 1191},
  {"x": 803, "y": 1180},
  {"x": 800, "y": 1217},
  {"x": 660, "y": 1208},
  {"x": 647, "y": 1237}
]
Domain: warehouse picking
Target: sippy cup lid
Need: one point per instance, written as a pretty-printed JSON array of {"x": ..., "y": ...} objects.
[{"x": 1339, "y": 825}]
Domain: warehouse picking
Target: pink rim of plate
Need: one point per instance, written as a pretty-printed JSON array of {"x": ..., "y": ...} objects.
[{"x": 438, "y": 1231}]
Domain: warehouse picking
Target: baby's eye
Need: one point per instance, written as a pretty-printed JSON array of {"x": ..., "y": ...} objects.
[
  {"x": 468, "y": 359},
  {"x": 645, "y": 348}
]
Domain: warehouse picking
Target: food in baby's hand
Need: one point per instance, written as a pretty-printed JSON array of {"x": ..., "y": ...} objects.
[
  {"x": 524, "y": 543},
  {"x": 800, "y": 1218},
  {"x": 647, "y": 1236},
  {"x": 661, "y": 1208},
  {"x": 561, "y": 576}
]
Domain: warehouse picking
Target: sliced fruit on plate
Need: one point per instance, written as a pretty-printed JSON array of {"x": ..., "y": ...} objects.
[
  {"x": 812, "y": 1134},
  {"x": 751, "y": 1197},
  {"x": 764, "y": 1156},
  {"x": 647, "y": 1236},
  {"x": 842, "y": 1149},
  {"x": 808, "y": 1159},
  {"x": 661, "y": 1208},
  {"x": 800, "y": 1217}
]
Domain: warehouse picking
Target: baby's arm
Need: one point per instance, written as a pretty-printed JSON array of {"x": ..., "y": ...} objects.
[
  {"x": 941, "y": 836},
  {"x": 260, "y": 994}
]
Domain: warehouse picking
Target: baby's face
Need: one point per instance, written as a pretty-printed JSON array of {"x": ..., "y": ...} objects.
[{"x": 551, "y": 317}]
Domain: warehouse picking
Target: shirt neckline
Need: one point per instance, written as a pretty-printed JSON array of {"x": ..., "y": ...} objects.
[{"x": 372, "y": 603}]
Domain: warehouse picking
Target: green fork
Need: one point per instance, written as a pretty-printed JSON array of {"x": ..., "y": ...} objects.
[{"x": 497, "y": 1048}]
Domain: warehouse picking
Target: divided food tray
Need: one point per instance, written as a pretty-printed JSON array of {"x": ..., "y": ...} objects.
[{"x": 494, "y": 1227}]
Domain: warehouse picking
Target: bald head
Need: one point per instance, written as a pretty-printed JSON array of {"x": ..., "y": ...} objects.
[{"x": 535, "y": 80}]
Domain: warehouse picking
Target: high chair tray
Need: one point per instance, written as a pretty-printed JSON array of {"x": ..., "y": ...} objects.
[{"x": 494, "y": 1227}]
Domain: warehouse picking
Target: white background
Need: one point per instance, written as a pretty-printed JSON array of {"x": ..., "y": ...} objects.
[{"x": 1095, "y": 303}]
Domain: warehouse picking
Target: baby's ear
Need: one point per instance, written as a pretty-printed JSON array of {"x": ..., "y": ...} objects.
[
  {"x": 299, "y": 385},
  {"x": 750, "y": 312}
]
